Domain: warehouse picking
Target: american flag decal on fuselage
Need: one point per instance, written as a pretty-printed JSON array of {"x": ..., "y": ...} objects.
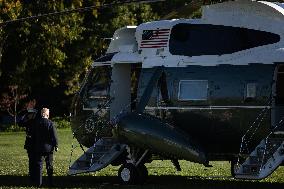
[{"x": 155, "y": 38}]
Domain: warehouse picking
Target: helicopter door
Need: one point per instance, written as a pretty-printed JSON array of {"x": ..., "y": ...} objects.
[
  {"x": 278, "y": 97},
  {"x": 120, "y": 89}
]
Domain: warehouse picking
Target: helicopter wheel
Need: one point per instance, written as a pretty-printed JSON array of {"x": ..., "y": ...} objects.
[
  {"x": 234, "y": 162},
  {"x": 142, "y": 173},
  {"x": 128, "y": 174}
]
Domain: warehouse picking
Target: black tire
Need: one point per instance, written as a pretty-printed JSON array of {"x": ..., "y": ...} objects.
[
  {"x": 233, "y": 163},
  {"x": 128, "y": 174},
  {"x": 142, "y": 173}
]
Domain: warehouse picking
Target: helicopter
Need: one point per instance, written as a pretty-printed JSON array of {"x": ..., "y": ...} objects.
[{"x": 201, "y": 90}]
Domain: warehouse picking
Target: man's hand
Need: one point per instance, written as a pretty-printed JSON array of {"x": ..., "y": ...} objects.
[{"x": 56, "y": 148}]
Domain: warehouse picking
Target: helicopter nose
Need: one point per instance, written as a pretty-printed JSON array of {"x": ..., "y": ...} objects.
[{"x": 88, "y": 128}]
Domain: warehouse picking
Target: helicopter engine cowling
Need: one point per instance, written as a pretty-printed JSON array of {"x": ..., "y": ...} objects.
[{"x": 148, "y": 132}]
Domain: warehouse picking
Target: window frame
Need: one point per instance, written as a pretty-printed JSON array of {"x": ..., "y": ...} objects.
[
  {"x": 236, "y": 39},
  {"x": 192, "y": 99},
  {"x": 251, "y": 88}
]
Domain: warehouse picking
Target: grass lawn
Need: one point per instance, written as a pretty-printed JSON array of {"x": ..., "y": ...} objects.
[{"x": 162, "y": 174}]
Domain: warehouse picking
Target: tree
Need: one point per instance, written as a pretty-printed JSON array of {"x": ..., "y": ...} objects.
[
  {"x": 10, "y": 100},
  {"x": 47, "y": 57},
  {"x": 35, "y": 57},
  {"x": 9, "y": 9}
]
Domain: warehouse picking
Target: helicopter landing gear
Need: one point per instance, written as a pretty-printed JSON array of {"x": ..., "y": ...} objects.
[
  {"x": 130, "y": 174},
  {"x": 234, "y": 162},
  {"x": 143, "y": 173},
  {"x": 133, "y": 171}
]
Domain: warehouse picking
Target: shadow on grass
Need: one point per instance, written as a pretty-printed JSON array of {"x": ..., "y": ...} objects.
[{"x": 165, "y": 181}]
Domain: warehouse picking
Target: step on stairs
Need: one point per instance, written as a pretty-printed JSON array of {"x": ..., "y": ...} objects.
[
  {"x": 100, "y": 155},
  {"x": 266, "y": 157}
]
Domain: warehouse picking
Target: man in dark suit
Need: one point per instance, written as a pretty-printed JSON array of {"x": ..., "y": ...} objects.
[
  {"x": 45, "y": 143},
  {"x": 28, "y": 121}
]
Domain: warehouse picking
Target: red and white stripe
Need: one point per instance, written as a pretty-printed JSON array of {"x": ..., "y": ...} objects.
[{"x": 158, "y": 38}]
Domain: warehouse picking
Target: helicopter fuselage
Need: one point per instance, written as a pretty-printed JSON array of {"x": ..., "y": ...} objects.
[{"x": 189, "y": 89}]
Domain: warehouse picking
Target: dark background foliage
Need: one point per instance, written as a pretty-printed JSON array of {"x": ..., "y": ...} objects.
[{"x": 47, "y": 57}]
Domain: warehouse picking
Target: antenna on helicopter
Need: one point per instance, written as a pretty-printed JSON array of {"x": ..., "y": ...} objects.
[{"x": 82, "y": 9}]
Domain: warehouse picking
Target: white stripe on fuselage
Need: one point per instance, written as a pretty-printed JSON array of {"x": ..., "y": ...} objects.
[{"x": 205, "y": 107}]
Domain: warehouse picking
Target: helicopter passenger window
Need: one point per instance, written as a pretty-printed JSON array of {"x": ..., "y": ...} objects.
[
  {"x": 193, "y": 90},
  {"x": 205, "y": 39},
  {"x": 251, "y": 90}
]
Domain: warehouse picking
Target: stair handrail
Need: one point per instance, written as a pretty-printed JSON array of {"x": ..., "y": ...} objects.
[
  {"x": 73, "y": 133},
  {"x": 72, "y": 150},
  {"x": 260, "y": 118},
  {"x": 279, "y": 124},
  {"x": 252, "y": 128}
]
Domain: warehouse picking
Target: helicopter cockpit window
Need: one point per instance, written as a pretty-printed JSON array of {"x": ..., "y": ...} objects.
[
  {"x": 193, "y": 90},
  {"x": 205, "y": 39},
  {"x": 97, "y": 86}
]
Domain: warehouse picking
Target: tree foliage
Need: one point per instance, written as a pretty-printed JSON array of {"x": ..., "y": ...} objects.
[{"x": 47, "y": 57}]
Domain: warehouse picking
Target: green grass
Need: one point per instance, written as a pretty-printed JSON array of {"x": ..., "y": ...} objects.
[{"x": 162, "y": 174}]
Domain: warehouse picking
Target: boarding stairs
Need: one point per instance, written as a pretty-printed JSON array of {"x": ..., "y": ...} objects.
[
  {"x": 266, "y": 157},
  {"x": 101, "y": 154}
]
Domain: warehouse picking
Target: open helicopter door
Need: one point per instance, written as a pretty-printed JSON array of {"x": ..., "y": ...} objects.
[
  {"x": 277, "y": 113},
  {"x": 269, "y": 153},
  {"x": 90, "y": 123},
  {"x": 120, "y": 89},
  {"x": 112, "y": 90},
  {"x": 104, "y": 95}
]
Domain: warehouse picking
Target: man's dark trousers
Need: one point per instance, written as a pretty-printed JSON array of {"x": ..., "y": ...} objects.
[
  {"x": 31, "y": 156},
  {"x": 48, "y": 157}
]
